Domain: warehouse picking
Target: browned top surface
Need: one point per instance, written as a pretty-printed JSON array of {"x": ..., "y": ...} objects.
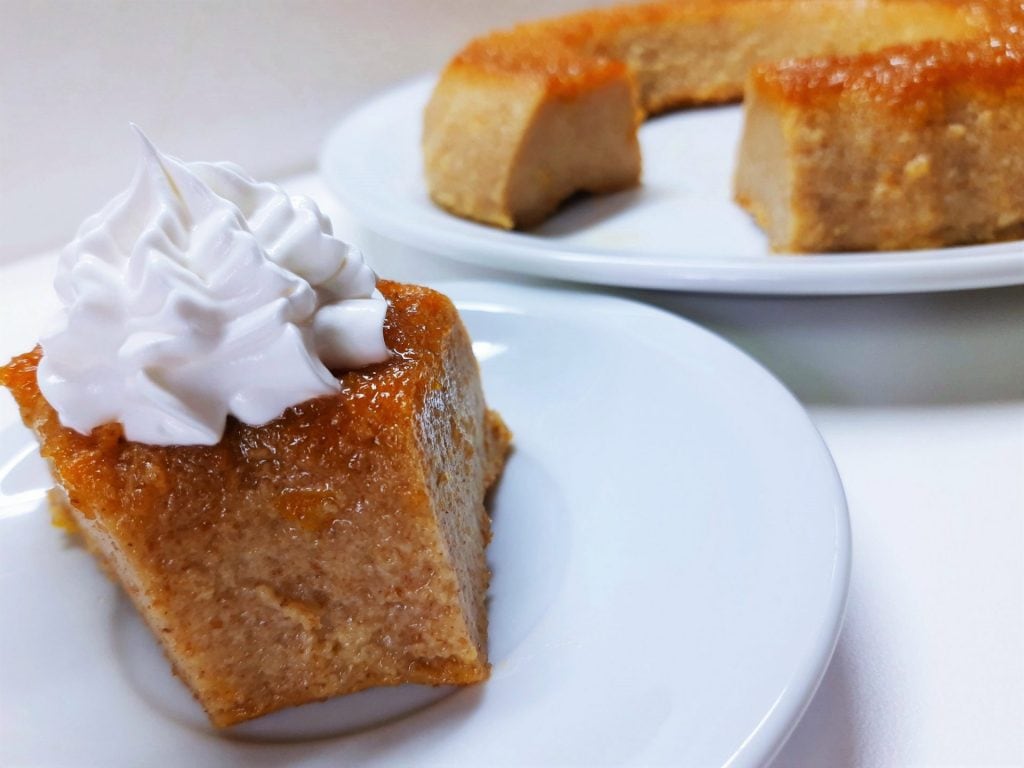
[
  {"x": 571, "y": 53},
  {"x": 537, "y": 55},
  {"x": 300, "y": 451},
  {"x": 897, "y": 76},
  {"x": 583, "y": 27}
]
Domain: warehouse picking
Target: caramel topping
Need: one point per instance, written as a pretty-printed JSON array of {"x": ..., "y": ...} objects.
[
  {"x": 129, "y": 481},
  {"x": 573, "y": 53},
  {"x": 899, "y": 75},
  {"x": 541, "y": 56}
]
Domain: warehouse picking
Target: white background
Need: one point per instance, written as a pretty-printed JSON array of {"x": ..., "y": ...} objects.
[
  {"x": 920, "y": 398},
  {"x": 257, "y": 81}
]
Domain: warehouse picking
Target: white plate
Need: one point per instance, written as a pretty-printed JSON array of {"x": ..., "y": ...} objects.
[
  {"x": 679, "y": 230},
  {"x": 671, "y": 557}
]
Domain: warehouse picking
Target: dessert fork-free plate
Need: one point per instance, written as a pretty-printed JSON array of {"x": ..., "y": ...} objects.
[
  {"x": 671, "y": 555},
  {"x": 679, "y": 230}
]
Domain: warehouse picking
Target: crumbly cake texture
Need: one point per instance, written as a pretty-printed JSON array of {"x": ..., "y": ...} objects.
[
  {"x": 338, "y": 547},
  {"x": 848, "y": 154},
  {"x": 492, "y": 155}
]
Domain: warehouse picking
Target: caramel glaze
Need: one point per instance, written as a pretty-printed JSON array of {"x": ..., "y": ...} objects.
[
  {"x": 572, "y": 54},
  {"x": 561, "y": 69},
  {"x": 899, "y": 76},
  {"x": 128, "y": 482},
  {"x": 568, "y": 54}
]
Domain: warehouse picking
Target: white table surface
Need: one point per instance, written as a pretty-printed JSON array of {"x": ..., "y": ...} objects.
[{"x": 921, "y": 400}]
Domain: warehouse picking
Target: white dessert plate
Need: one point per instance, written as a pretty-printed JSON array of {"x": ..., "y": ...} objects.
[
  {"x": 680, "y": 230},
  {"x": 671, "y": 556}
]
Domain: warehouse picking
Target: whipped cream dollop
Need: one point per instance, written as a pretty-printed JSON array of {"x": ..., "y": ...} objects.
[{"x": 197, "y": 293}]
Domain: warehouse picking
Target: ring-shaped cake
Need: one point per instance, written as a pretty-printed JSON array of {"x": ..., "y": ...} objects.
[{"x": 870, "y": 124}]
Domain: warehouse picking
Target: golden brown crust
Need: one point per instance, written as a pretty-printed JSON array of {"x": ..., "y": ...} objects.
[
  {"x": 900, "y": 76},
  {"x": 727, "y": 32},
  {"x": 335, "y": 548},
  {"x": 562, "y": 69}
]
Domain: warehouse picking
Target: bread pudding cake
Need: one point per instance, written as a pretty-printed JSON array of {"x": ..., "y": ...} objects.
[
  {"x": 522, "y": 119},
  {"x": 336, "y": 545}
]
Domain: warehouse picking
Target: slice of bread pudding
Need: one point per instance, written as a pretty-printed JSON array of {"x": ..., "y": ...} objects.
[{"x": 338, "y": 547}]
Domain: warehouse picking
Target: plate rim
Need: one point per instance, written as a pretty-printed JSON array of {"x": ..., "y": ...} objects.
[
  {"x": 772, "y": 733},
  {"x": 865, "y": 273}
]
